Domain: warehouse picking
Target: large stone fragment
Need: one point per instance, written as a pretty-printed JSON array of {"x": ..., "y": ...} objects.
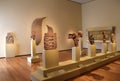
[{"x": 37, "y": 29}]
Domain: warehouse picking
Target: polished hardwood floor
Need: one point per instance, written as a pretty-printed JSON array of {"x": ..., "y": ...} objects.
[{"x": 18, "y": 69}]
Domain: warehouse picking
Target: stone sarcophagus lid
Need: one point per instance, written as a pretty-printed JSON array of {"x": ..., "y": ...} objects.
[{"x": 50, "y": 39}]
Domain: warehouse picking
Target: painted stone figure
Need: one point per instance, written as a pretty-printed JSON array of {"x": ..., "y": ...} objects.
[
  {"x": 37, "y": 29},
  {"x": 91, "y": 39},
  {"x": 50, "y": 39},
  {"x": 104, "y": 37},
  {"x": 9, "y": 38}
]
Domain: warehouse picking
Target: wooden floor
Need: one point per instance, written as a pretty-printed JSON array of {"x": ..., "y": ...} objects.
[{"x": 17, "y": 69}]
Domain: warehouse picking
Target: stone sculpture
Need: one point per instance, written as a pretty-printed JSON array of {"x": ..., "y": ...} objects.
[
  {"x": 74, "y": 36},
  {"x": 113, "y": 38},
  {"x": 91, "y": 39},
  {"x": 50, "y": 39},
  {"x": 37, "y": 29},
  {"x": 9, "y": 38},
  {"x": 104, "y": 37},
  {"x": 80, "y": 34}
]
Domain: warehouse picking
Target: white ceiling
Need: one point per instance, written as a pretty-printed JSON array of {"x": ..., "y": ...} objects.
[{"x": 82, "y": 1}]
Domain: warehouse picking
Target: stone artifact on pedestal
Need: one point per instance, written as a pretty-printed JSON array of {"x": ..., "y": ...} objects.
[
  {"x": 11, "y": 45},
  {"x": 80, "y": 42},
  {"x": 50, "y": 56},
  {"x": 75, "y": 50},
  {"x": 74, "y": 36},
  {"x": 104, "y": 44},
  {"x": 91, "y": 47},
  {"x": 75, "y": 53},
  {"x": 34, "y": 57},
  {"x": 113, "y": 45},
  {"x": 36, "y": 37}
]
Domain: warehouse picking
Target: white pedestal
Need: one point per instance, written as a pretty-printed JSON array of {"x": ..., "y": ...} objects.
[
  {"x": 113, "y": 47},
  {"x": 75, "y": 53},
  {"x": 92, "y": 50},
  {"x": 50, "y": 58},
  {"x": 11, "y": 50},
  {"x": 80, "y": 44},
  {"x": 33, "y": 59},
  {"x": 104, "y": 48}
]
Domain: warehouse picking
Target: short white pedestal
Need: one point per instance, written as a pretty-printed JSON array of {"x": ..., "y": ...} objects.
[
  {"x": 33, "y": 59},
  {"x": 11, "y": 50},
  {"x": 75, "y": 53},
  {"x": 50, "y": 58},
  {"x": 80, "y": 45},
  {"x": 113, "y": 47},
  {"x": 92, "y": 50},
  {"x": 104, "y": 48}
]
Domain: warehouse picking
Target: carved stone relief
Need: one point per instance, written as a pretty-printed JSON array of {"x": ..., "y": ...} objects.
[
  {"x": 75, "y": 37},
  {"x": 10, "y": 38},
  {"x": 37, "y": 29},
  {"x": 91, "y": 39},
  {"x": 50, "y": 39}
]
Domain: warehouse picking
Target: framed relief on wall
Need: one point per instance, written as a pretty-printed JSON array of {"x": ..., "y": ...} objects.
[{"x": 98, "y": 34}]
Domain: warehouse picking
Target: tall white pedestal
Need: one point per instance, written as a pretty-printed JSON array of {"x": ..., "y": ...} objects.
[
  {"x": 50, "y": 58},
  {"x": 11, "y": 50},
  {"x": 75, "y": 53},
  {"x": 80, "y": 45},
  {"x": 113, "y": 47},
  {"x": 34, "y": 58},
  {"x": 104, "y": 48},
  {"x": 91, "y": 50}
]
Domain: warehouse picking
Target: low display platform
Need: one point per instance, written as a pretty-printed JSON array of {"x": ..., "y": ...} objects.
[{"x": 70, "y": 68}]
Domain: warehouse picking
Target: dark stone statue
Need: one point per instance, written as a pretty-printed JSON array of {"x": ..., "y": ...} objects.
[
  {"x": 91, "y": 39},
  {"x": 104, "y": 37}
]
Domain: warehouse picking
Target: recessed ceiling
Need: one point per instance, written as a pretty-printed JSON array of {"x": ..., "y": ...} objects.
[{"x": 82, "y": 1}]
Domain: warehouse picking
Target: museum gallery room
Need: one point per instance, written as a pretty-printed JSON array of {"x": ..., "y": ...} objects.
[{"x": 59, "y": 40}]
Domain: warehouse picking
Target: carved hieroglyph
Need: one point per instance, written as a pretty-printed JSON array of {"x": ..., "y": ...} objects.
[
  {"x": 50, "y": 39},
  {"x": 10, "y": 38},
  {"x": 37, "y": 29}
]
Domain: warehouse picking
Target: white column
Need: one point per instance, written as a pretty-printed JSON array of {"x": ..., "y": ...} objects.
[
  {"x": 50, "y": 58},
  {"x": 33, "y": 48},
  {"x": 92, "y": 50},
  {"x": 113, "y": 47},
  {"x": 75, "y": 53},
  {"x": 104, "y": 48}
]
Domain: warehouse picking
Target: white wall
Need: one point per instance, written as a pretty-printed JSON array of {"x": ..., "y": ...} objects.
[
  {"x": 17, "y": 16},
  {"x": 101, "y": 13}
]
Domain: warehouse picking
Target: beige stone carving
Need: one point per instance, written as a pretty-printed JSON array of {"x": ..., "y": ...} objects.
[
  {"x": 10, "y": 38},
  {"x": 74, "y": 36},
  {"x": 91, "y": 39},
  {"x": 50, "y": 39},
  {"x": 37, "y": 29},
  {"x": 113, "y": 37}
]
